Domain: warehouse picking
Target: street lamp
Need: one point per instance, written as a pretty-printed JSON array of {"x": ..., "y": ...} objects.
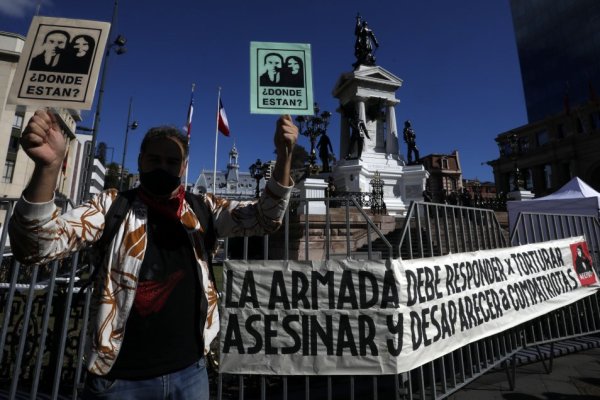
[
  {"x": 133, "y": 126},
  {"x": 377, "y": 203},
  {"x": 119, "y": 47},
  {"x": 257, "y": 171},
  {"x": 515, "y": 151},
  {"x": 312, "y": 127}
]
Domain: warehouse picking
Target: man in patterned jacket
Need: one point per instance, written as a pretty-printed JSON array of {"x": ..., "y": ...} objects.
[{"x": 154, "y": 312}]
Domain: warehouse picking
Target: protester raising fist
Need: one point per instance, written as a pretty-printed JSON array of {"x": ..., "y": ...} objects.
[{"x": 43, "y": 140}]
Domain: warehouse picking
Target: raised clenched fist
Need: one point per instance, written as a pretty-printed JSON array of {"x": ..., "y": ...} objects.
[{"x": 43, "y": 140}]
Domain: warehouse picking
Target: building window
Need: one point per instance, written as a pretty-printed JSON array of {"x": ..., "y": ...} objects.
[
  {"x": 448, "y": 184},
  {"x": 13, "y": 144},
  {"x": 565, "y": 173},
  {"x": 15, "y": 135},
  {"x": 528, "y": 174},
  {"x": 9, "y": 171},
  {"x": 542, "y": 137},
  {"x": 579, "y": 124},
  {"x": 524, "y": 144},
  {"x": 548, "y": 176},
  {"x": 505, "y": 149},
  {"x": 595, "y": 120},
  {"x": 18, "y": 121},
  {"x": 444, "y": 163},
  {"x": 560, "y": 131}
]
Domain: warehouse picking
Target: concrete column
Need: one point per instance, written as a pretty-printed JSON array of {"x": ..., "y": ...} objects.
[
  {"x": 360, "y": 109},
  {"x": 369, "y": 143},
  {"x": 391, "y": 141},
  {"x": 344, "y": 135}
]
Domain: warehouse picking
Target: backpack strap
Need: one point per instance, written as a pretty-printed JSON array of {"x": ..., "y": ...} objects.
[
  {"x": 112, "y": 221},
  {"x": 205, "y": 217},
  {"x": 114, "y": 218}
]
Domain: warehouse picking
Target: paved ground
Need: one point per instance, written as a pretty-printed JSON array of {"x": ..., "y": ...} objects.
[{"x": 574, "y": 377}]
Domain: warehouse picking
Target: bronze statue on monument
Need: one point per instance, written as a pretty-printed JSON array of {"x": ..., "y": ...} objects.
[
  {"x": 363, "y": 46},
  {"x": 357, "y": 138},
  {"x": 411, "y": 141},
  {"x": 325, "y": 151}
]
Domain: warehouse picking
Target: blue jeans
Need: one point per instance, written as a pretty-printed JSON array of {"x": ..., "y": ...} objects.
[{"x": 190, "y": 383}]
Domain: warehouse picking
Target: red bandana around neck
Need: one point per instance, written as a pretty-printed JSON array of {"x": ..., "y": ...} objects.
[{"x": 170, "y": 208}]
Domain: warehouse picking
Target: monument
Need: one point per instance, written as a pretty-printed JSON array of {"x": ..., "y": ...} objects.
[{"x": 369, "y": 133}]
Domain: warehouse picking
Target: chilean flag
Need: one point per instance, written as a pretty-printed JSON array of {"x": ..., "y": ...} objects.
[{"x": 222, "y": 123}]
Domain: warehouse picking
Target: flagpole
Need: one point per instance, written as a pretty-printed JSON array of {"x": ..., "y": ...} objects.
[
  {"x": 187, "y": 166},
  {"x": 216, "y": 142}
]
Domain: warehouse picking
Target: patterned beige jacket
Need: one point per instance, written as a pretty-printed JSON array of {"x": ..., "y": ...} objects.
[{"x": 38, "y": 234}]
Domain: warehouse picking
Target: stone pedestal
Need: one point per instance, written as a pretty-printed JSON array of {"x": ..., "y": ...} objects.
[
  {"x": 520, "y": 195},
  {"x": 312, "y": 188},
  {"x": 402, "y": 184},
  {"x": 368, "y": 94}
]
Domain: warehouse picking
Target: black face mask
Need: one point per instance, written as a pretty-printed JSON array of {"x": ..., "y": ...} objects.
[{"x": 159, "y": 182}]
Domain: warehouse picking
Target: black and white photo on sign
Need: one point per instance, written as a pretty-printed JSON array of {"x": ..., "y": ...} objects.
[
  {"x": 59, "y": 63},
  {"x": 583, "y": 263},
  {"x": 293, "y": 72},
  {"x": 281, "y": 70},
  {"x": 62, "y": 52}
]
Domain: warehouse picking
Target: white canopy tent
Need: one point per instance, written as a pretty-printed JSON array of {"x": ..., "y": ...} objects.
[{"x": 575, "y": 198}]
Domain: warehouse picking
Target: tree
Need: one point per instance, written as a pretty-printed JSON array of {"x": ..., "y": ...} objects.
[
  {"x": 113, "y": 174},
  {"x": 299, "y": 157}
]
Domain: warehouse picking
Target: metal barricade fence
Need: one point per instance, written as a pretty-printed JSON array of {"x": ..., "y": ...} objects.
[
  {"x": 353, "y": 228},
  {"x": 40, "y": 336},
  {"x": 44, "y": 314},
  {"x": 435, "y": 230},
  {"x": 429, "y": 230},
  {"x": 581, "y": 318},
  {"x": 44, "y": 317}
]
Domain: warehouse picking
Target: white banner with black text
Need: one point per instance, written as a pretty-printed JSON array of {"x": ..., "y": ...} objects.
[{"x": 345, "y": 317}]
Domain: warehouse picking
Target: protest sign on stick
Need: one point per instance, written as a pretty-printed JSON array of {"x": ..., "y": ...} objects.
[
  {"x": 281, "y": 78},
  {"x": 60, "y": 62}
]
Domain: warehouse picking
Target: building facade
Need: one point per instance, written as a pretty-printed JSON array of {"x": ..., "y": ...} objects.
[
  {"x": 480, "y": 190},
  {"x": 445, "y": 176},
  {"x": 548, "y": 153},
  {"x": 231, "y": 183},
  {"x": 558, "y": 42},
  {"x": 559, "y": 45},
  {"x": 16, "y": 166}
]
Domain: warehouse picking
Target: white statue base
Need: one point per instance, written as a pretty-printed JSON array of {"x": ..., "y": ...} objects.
[
  {"x": 520, "y": 195},
  {"x": 402, "y": 184},
  {"x": 312, "y": 188}
]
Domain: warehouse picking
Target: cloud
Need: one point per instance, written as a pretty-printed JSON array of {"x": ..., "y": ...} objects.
[{"x": 17, "y": 8}]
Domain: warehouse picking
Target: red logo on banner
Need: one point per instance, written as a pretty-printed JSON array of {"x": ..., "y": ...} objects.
[{"x": 582, "y": 263}]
